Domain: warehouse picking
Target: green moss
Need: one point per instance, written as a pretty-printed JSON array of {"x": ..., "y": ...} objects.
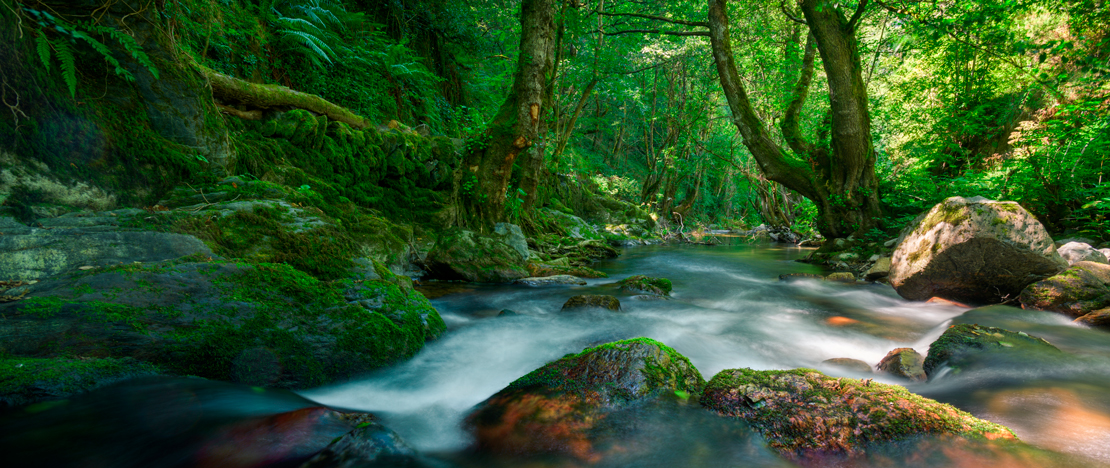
[
  {"x": 804, "y": 409},
  {"x": 962, "y": 339},
  {"x": 24, "y": 380},
  {"x": 657, "y": 286}
]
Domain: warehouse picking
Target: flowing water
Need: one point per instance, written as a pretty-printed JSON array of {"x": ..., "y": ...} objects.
[{"x": 728, "y": 310}]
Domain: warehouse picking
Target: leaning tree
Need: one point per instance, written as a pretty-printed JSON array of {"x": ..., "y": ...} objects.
[{"x": 839, "y": 176}]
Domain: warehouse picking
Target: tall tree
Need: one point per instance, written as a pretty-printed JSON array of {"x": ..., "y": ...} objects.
[
  {"x": 838, "y": 177},
  {"x": 518, "y": 124}
]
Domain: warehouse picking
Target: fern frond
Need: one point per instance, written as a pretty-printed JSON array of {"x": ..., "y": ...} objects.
[
  {"x": 43, "y": 46},
  {"x": 133, "y": 48},
  {"x": 103, "y": 50},
  {"x": 312, "y": 42},
  {"x": 68, "y": 63},
  {"x": 300, "y": 24}
]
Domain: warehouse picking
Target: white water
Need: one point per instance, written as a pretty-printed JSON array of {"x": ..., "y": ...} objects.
[{"x": 728, "y": 310}]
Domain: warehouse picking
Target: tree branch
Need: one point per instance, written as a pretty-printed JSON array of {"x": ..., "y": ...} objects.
[
  {"x": 657, "y": 31},
  {"x": 854, "y": 21},
  {"x": 228, "y": 89},
  {"x": 703, "y": 24},
  {"x": 789, "y": 15},
  {"x": 790, "y": 122}
]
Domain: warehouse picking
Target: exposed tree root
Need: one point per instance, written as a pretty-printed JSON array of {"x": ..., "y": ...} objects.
[{"x": 233, "y": 90}]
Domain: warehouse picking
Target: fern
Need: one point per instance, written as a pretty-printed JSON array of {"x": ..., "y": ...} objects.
[
  {"x": 68, "y": 63},
  {"x": 67, "y": 34}
]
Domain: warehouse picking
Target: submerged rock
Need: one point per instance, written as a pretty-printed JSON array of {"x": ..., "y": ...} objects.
[
  {"x": 905, "y": 363},
  {"x": 370, "y": 443},
  {"x": 550, "y": 280},
  {"x": 476, "y": 258},
  {"x": 646, "y": 284},
  {"x": 554, "y": 408},
  {"x": 547, "y": 269},
  {"x": 965, "y": 346},
  {"x": 841, "y": 277},
  {"x": 1082, "y": 288},
  {"x": 591, "y": 300},
  {"x": 31, "y": 380},
  {"x": 803, "y": 412},
  {"x": 848, "y": 364},
  {"x": 973, "y": 250}
]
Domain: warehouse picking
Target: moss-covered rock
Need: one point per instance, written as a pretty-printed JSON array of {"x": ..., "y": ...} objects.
[
  {"x": 1082, "y": 288},
  {"x": 474, "y": 257},
  {"x": 544, "y": 269},
  {"x": 847, "y": 364},
  {"x": 554, "y": 408},
  {"x": 1099, "y": 318},
  {"x": 592, "y": 301},
  {"x": 264, "y": 324},
  {"x": 973, "y": 250},
  {"x": 905, "y": 363},
  {"x": 646, "y": 284},
  {"x": 966, "y": 346},
  {"x": 29, "y": 380},
  {"x": 802, "y": 411}
]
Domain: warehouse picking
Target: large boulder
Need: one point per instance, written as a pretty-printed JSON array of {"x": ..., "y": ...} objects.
[
  {"x": 1083, "y": 288},
  {"x": 31, "y": 380},
  {"x": 42, "y": 253},
  {"x": 555, "y": 409},
  {"x": 474, "y": 257},
  {"x": 973, "y": 250},
  {"x": 264, "y": 324},
  {"x": 803, "y": 412},
  {"x": 967, "y": 346},
  {"x": 1075, "y": 252},
  {"x": 1099, "y": 318}
]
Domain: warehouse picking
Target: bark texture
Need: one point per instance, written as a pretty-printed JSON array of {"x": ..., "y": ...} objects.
[
  {"x": 839, "y": 177},
  {"x": 233, "y": 90},
  {"x": 518, "y": 122}
]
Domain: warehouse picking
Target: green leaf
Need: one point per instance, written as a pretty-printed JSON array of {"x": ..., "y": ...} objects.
[
  {"x": 43, "y": 46},
  {"x": 69, "y": 64}
]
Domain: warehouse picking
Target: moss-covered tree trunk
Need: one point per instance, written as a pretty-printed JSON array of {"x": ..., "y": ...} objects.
[
  {"x": 518, "y": 122},
  {"x": 838, "y": 177}
]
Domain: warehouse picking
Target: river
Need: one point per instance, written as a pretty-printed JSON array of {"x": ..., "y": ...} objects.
[{"x": 730, "y": 310}]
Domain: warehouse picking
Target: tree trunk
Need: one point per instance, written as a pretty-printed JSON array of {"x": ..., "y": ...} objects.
[
  {"x": 518, "y": 122},
  {"x": 839, "y": 179}
]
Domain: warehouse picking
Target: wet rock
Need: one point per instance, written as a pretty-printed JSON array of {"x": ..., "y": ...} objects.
[
  {"x": 476, "y": 258},
  {"x": 1099, "y": 318},
  {"x": 646, "y": 284},
  {"x": 811, "y": 243},
  {"x": 848, "y": 364},
  {"x": 370, "y": 443},
  {"x": 508, "y": 313},
  {"x": 554, "y": 409},
  {"x": 802, "y": 412},
  {"x": 159, "y": 421},
  {"x": 966, "y": 346},
  {"x": 551, "y": 280},
  {"x": 31, "y": 380},
  {"x": 847, "y": 257},
  {"x": 591, "y": 300},
  {"x": 946, "y": 302},
  {"x": 1075, "y": 252},
  {"x": 799, "y": 276},
  {"x": 1082, "y": 288},
  {"x": 548, "y": 269},
  {"x": 262, "y": 324},
  {"x": 905, "y": 363},
  {"x": 881, "y": 269},
  {"x": 650, "y": 297},
  {"x": 841, "y": 277},
  {"x": 45, "y": 253},
  {"x": 973, "y": 250}
]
